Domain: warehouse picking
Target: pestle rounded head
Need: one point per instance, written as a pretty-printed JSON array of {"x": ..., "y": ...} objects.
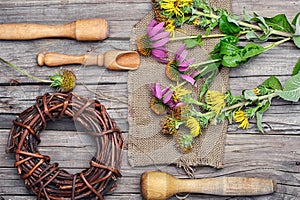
[
  {"x": 156, "y": 185},
  {"x": 94, "y": 29},
  {"x": 41, "y": 59}
]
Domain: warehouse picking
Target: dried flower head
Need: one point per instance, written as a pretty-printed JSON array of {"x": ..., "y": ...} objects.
[
  {"x": 184, "y": 142},
  {"x": 171, "y": 125},
  {"x": 160, "y": 104},
  {"x": 65, "y": 81},
  {"x": 153, "y": 43},
  {"x": 180, "y": 64}
]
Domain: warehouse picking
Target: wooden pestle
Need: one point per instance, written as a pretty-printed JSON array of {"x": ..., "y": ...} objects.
[
  {"x": 113, "y": 60},
  {"x": 93, "y": 29},
  {"x": 161, "y": 185}
]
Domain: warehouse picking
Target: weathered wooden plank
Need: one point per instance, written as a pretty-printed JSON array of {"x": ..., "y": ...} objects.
[{"x": 274, "y": 157}]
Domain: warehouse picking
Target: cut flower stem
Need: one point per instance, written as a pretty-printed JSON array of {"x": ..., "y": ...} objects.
[
  {"x": 244, "y": 24},
  {"x": 238, "y": 105},
  {"x": 23, "y": 72}
]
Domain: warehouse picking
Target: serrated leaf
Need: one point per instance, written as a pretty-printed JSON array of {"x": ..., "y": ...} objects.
[
  {"x": 291, "y": 90},
  {"x": 272, "y": 83},
  {"x": 296, "y": 68}
]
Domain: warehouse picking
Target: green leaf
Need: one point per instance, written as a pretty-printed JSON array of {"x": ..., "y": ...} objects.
[
  {"x": 296, "y": 37},
  {"x": 231, "y": 60},
  {"x": 296, "y": 40},
  {"x": 266, "y": 29},
  {"x": 259, "y": 114},
  {"x": 256, "y": 37},
  {"x": 191, "y": 43},
  {"x": 259, "y": 121},
  {"x": 228, "y": 49},
  {"x": 247, "y": 17},
  {"x": 295, "y": 18},
  {"x": 251, "y": 50},
  {"x": 291, "y": 90},
  {"x": 249, "y": 95},
  {"x": 207, "y": 83},
  {"x": 296, "y": 68},
  {"x": 280, "y": 23},
  {"x": 227, "y": 39},
  {"x": 272, "y": 83},
  {"x": 228, "y": 27}
]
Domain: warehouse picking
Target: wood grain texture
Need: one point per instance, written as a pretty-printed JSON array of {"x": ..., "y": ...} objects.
[{"x": 248, "y": 153}]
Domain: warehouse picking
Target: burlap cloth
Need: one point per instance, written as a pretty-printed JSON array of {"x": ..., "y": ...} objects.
[{"x": 146, "y": 144}]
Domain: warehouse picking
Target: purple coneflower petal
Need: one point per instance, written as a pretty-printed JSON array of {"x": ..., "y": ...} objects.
[
  {"x": 179, "y": 51},
  {"x": 164, "y": 91},
  {"x": 188, "y": 78},
  {"x": 182, "y": 68},
  {"x": 190, "y": 61},
  {"x": 183, "y": 56},
  {"x": 193, "y": 74},
  {"x": 164, "y": 61},
  {"x": 158, "y": 93},
  {"x": 168, "y": 98},
  {"x": 156, "y": 29},
  {"x": 151, "y": 25},
  {"x": 159, "y": 53},
  {"x": 159, "y": 36},
  {"x": 160, "y": 43}
]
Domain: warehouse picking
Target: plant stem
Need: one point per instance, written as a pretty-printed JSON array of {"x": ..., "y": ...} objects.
[
  {"x": 270, "y": 46},
  {"x": 23, "y": 72},
  {"x": 272, "y": 95},
  {"x": 195, "y": 36},
  {"x": 245, "y": 24},
  {"x": 205, "y": 63}
]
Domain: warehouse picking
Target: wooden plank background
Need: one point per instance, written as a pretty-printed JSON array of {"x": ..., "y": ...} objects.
[{"x": 275, "y": 154}]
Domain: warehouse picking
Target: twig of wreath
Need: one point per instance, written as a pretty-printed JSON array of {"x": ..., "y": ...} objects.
[{"x": 47, "y": 180}]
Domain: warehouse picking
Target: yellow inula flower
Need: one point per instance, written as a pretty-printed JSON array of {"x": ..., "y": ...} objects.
[
  {"x": 173, "y": 6},
  {"x": 194, "y": 126},
  {"x": 179, "y": 92},
  {"x": 240, "y": 116},
  {"x": 170, "y": 27},
  {"x": 216, "y": 100},
  {"x": 256, "y": 91}
]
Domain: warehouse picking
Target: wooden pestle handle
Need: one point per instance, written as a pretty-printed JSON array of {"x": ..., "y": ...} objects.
[
  {"x": 161, "y": 185},
  {"x": 93, "y": 29},
  {"x": 53, "y": 59}
]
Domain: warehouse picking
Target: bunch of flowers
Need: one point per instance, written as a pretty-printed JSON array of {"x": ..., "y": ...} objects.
[{"x": 181, "y": 107}]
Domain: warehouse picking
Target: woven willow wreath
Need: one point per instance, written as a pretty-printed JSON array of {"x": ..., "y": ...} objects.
[{"x": 46, "y": 179}]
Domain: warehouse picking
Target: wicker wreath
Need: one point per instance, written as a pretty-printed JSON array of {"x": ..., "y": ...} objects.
[{"x": 46, "y": 179}]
